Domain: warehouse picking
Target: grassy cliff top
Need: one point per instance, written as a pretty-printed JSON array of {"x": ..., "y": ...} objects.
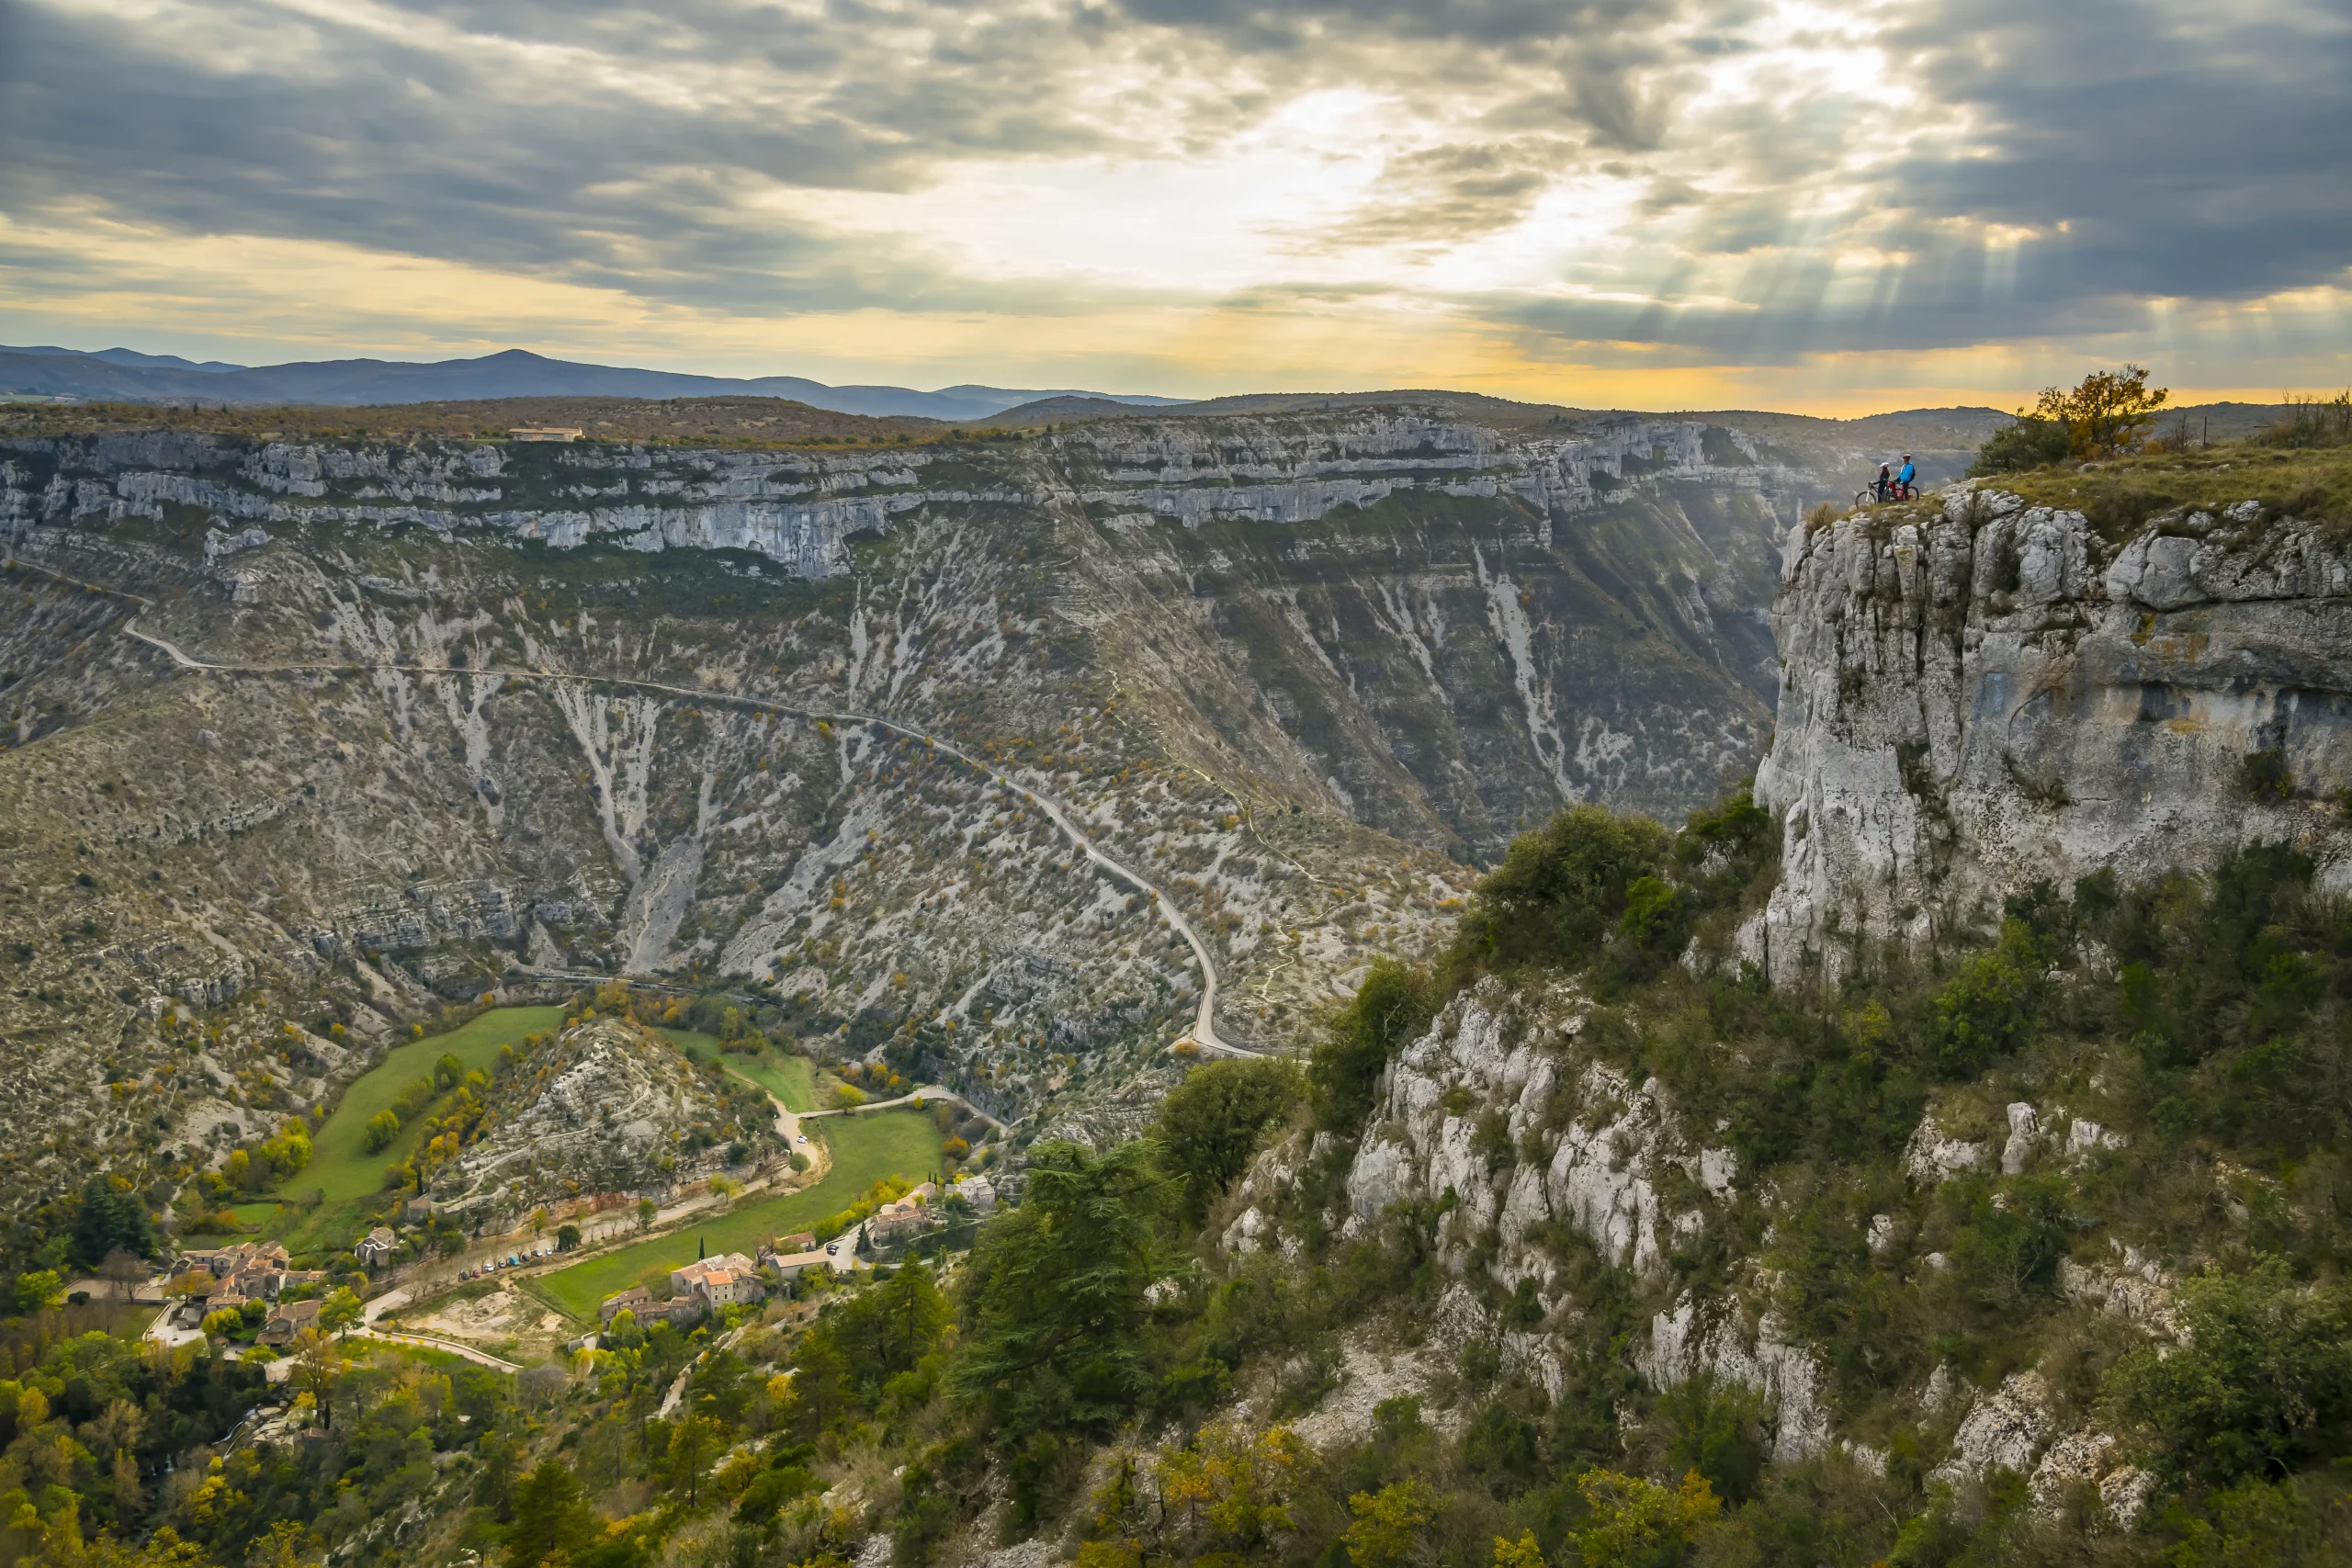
[{"x": 2122, "y": 495}]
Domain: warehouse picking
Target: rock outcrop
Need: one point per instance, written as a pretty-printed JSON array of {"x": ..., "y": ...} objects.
[
  {"x": 1980, "y": 696},
  {"x": 607, "y": 1106},
  {"x": 1503, "y": 1125}
]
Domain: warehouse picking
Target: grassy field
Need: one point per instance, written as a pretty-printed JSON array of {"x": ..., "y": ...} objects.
[
  {"x": 791, "y": 1079},
  {"x": 866, "y": 1149},
  {"x": 341, "y": 1167},
  {"x": 340, "y": 1163}
]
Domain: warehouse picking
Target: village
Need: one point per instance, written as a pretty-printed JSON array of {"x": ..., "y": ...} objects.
[{"x": 250, "y": 1302}]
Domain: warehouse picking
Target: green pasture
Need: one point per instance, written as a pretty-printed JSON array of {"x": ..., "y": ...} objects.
[
  {"x": 791, "y": 1079},
  {"x": 866, "y": 1149},
  {"x": 342, "y": 1173},
  {"x": 340, "y": 1165}
]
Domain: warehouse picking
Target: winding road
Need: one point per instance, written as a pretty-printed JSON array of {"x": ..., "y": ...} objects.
[{"x": 1203, "y": 1035}]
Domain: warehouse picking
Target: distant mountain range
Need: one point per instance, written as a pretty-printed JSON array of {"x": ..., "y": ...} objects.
[{"x": 122, "y": 375}]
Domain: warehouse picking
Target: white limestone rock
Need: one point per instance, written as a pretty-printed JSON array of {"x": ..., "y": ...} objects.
[
  {"x": 1699, "y": 1337},
  {"x": 1931, "y": 1156},
  {"x": 2004, "y": 1428},
  {"x": 2024, "y": 1127},
  {"x": 1999, "y": 697}
]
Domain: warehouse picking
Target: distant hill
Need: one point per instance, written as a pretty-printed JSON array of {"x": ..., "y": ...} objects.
[{"x": 120, "y": 374}]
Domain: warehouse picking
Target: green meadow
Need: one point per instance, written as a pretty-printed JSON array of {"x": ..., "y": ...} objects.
[
  {"x": 342, "y": 1174},
  {"x": 791, "y": 1079},
  {"x": 903, "y": 1143}
]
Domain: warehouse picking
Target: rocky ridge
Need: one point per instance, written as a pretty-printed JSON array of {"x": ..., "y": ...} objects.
[{"x": 1984, "y": 693}]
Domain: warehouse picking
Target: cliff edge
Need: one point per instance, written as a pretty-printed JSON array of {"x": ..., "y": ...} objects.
[{"x": 1983, "y": 694}]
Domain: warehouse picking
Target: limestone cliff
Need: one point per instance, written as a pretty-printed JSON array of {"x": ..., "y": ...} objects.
[
  {"x": 507, "y": 708},
  {"x": 1982, "y": 694}
]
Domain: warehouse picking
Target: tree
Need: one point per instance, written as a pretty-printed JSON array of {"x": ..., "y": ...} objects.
[
  {"x": 2262, "y": 1386},
  {"x": 2105, "y": 412},
  {"x": 646, "y": 1208},
  {"x": 110, "y": 1217},
  {"x": 37, "y": 1288},
  {"x": 1559, "y": 891},
  {"x": 381, "y": 1129},
  {"x": 1635, "y": 1523},
  {"x": 340, "y": 1313},
  {"x": 567, "y": 1237},
  {"x": 2032, "y": 443},
  {"x": 1387, "y": 1523},
  {"x": 123, "y": 1270},
  {"x": 1521, "y": 1553},
  {"x": 318, "y": 1370},
  {"x": 448, "y": 1071},
  {"x": 1391, "y": 1009},
  {"x": 693, "y": 1441},
  {"x": 288, "y": 1545},
  {"x": 885, "y": 1330},
  {"x": 1057, "y": 1287},
  {"x": 1210, "y": 1123},
  {"x": 551, "y": 1520},
  {"x": 540, "y": 1220}
]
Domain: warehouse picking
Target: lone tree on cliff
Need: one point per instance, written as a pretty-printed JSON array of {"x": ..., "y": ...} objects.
[{"x": 2106, "y": 412}]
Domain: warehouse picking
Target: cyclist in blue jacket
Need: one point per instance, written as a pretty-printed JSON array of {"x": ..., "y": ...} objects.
[{"x": 1904, "y": 475}]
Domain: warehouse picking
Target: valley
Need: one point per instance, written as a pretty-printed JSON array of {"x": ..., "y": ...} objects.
[
  {"x": 1901, "y": 1153},
  {"x": 803, "y": 720}
]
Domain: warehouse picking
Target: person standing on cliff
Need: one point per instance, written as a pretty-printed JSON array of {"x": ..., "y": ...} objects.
[
  {"x": 1904, "y": 476},
  {"x": 1883, "y": 483}
]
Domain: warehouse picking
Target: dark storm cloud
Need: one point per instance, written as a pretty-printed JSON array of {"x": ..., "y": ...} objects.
[
  {"x": 2203, "y": 160},
  {"x": 418, "y": 145},
  {"x": 2143, "y": 152}
]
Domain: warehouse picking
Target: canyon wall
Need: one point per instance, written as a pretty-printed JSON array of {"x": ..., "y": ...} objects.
[{"x": 1986, "y": 695}]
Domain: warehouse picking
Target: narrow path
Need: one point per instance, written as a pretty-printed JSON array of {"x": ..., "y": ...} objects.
[
  {"x": 1204, "y": 1031},
  {"x": 934, "y": 1091},
  {"x": 434, "y": 1342}
]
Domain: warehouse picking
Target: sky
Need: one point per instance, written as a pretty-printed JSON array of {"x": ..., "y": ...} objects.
[{"x": 1831, "y": 206}]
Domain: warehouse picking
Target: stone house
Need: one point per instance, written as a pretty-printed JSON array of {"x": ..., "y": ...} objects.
[
  {"x": 286, "y": 1320},
  {"x": 636, "y": 1299},
  {"x": 376, "y": 1248}
]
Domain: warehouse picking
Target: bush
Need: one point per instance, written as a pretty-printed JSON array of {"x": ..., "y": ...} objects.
[
  {"x": 1391, "y": 1010},
  {"x": 2263, "y": 1386},
  {"x": 1558, "y": 892},
  {"x": 1986, "y": 1012},
  {"x": 381, "y": 1129},
  {"x": 1210, "y": 1123},
  {"x": 2030, "y": 442}
]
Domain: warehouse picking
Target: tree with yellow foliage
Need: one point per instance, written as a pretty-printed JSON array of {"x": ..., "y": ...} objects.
[
  {"x": 2105, "y": 412},
  {"x": 1635, "y": 1523},
  {"x": 1388, "y": 1523}
]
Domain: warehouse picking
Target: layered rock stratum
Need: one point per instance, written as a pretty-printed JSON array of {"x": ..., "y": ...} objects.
[
  {"x": 1987, "y": 693},
  {"x": 493, "y": 712}
]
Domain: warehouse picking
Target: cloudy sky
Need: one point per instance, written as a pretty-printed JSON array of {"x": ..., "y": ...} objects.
[{"x": 1834, "y": 205}]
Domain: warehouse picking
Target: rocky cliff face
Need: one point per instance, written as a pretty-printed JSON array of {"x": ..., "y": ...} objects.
[
  {"x": 503, "y": 710},
  {"x": 1978, "y": 697},
  {"x": 607, "y": 1106}
]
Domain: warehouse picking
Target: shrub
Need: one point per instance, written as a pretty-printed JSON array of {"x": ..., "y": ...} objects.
[
  {"x": 1391, "y": 1010},
  {"x": 381, "y": 1129},
  {"x": 1558, "y": 891},
  {"x": 2030, "y": 442},
  {"x": 1984, "y": 1012},
  {"x": 2263, "y": 1384},
  {"x": 1210, "y": 1123}
]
